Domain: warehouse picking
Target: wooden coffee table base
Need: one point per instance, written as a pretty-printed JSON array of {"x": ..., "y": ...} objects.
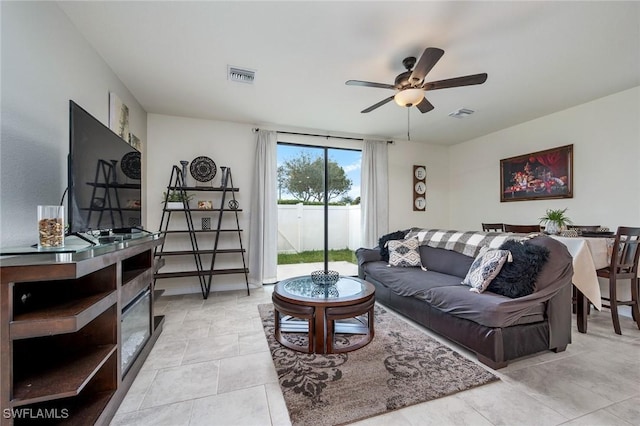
[
  {"x": 281, "y": 309},
  {"x": 332, "y": 315},
  {"x": 322, "y": 323}
]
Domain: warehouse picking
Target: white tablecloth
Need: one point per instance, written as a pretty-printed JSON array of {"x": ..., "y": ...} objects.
[{"x": 588, "y": 254}]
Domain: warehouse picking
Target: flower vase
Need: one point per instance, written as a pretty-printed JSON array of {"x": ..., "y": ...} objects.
[
  {"x": 223, "y": 177},
  {"x": 552, "y": 228},
  {"x": 184, "y": 172},
  {"x": 114, "y": 171}
]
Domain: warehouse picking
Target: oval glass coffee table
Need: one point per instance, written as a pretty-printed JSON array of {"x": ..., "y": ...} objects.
[{"x": 321, "y": 311}]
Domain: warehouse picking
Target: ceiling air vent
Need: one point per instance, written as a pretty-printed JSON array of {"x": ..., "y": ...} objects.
[
  {"x": 241, "y": 75},
  {"x": 461, "y": 113}
]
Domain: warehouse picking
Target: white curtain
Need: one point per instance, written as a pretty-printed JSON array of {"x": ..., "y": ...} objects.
[
  {"x": 374, "y": 192},
  {"x": 263, "y": 235}
]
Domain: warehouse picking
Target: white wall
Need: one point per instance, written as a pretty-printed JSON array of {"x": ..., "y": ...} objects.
[
  {"x": 403, "y": 155},
  {"x": 605, "y": 134},
  {"x": 45, "y": 62}
]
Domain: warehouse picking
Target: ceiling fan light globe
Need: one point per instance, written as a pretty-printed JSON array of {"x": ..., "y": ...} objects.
[{"x": 409, "y": 97}]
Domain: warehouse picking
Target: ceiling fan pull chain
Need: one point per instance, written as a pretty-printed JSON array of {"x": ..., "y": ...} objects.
[{"x": 408, "y": 123}]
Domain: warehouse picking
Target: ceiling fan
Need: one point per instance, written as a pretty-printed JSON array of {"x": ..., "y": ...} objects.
[{"x": 410, "y": 85}]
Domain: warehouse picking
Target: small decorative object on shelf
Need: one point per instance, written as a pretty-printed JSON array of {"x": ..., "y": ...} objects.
[
  {"x": 175, "y": 199},
  {"x": 205, "y": 204},
  {"x": 184, "y": 172},
  {"x": 203, "y": 169},
  {"x": 223, "y": 177},
  {"x": 97, "y": 203},
  {"x": 114, "y": 174},
  {"x": 50, "y": 226},
  {"x": 130, "y": 164},
  {"x": 206, "y": 223},
  {"x": 325, "y": 277},
  {"x": 134, "y": 204},
  {"x": 233, "y": 204}
]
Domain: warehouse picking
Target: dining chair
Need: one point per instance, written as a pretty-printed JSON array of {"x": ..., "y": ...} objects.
[
  {"x": 493, "y": 227},
  {"x": 623, "y": 266},
  {"x": 521, "y": 228}
]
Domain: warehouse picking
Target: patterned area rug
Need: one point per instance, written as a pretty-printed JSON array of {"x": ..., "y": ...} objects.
[{"x": 400, "y": 367}]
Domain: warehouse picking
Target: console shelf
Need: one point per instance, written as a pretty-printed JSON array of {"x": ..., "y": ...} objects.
[
  {"x": 63, "y": 377},
  {"x": 63, "y": 325},
  {"x": 67, "y": 317},
  {"x": 87, "y": 409}
]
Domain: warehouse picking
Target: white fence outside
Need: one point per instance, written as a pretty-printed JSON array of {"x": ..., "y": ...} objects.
[{"x": 300, "y": 228}]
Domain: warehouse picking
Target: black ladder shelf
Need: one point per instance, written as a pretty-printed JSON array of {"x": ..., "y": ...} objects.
[
  {"x": 205, "y": 276},
  {"x": 105, "y": 172}
]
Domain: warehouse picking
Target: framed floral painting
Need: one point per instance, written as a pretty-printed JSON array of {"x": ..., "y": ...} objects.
[{"x": 540, "y": 175}]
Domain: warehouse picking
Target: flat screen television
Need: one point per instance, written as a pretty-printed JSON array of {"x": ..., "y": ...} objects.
[{"x": 104, "y": 177}]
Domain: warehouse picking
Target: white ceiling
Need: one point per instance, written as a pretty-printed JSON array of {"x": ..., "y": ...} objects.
[{"x": 541, "y": 57}]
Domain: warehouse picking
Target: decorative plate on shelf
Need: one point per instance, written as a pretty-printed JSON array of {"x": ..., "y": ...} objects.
[
  {"x": 203, "y": 169},
  {"x": 233, "y": 204},
  {"x": 130, "y": 164}
]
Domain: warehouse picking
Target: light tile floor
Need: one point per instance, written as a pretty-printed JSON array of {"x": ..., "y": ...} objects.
[{"x": 211, "y": 366}]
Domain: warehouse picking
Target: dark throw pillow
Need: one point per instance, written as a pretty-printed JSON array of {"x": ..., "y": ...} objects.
[
  {"x": 382, "y": 242},
  {"x": 518, "y": 278}
]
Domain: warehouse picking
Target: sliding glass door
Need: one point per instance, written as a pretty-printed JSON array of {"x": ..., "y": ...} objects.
[{"x": 318, "y": 209}]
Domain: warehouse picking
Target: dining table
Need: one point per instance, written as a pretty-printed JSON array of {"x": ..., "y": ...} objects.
[{"x": 589, "y": 254}]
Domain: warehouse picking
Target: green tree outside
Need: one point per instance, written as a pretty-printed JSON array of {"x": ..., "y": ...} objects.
[{"x": 303, "y": 177}]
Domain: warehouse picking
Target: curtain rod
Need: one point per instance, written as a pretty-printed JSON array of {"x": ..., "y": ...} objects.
[{"x": 255, "y": 129}]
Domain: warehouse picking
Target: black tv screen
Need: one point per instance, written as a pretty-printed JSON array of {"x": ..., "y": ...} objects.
[{"x": 104, "y": 177}]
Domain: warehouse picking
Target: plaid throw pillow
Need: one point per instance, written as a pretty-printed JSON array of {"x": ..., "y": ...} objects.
[{"x": 404, "y": 252}]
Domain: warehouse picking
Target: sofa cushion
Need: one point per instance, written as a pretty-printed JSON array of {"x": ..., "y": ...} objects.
[
  {"x": 445, "y": 261},
  {"x": 488, "y": 309},
  {"x": 485, "y": 267},
  {"x": 518, "y": 278},
  {"x": 404, "y": 252},
  {"x": 408, "y": 281},
  {"x": 382, "y": 242}
]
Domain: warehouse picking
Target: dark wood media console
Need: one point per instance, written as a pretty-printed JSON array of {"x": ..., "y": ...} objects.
[{"x": 62, "y": 335}]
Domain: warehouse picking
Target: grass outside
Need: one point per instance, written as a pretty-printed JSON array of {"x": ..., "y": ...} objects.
[{"x": 316, "y": 256}]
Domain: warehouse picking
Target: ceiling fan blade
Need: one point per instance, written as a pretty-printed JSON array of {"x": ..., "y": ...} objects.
[
  {"x": 369, "y": 84},
  {"x": 424, "y": 105},
  {"x": 429, "y": 58},
  {"x": 467, "y": 80},
  {"x": 379, "y": 104}
]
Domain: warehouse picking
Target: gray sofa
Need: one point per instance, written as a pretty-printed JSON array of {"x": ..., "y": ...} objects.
[{"x": 495, "y": 327}]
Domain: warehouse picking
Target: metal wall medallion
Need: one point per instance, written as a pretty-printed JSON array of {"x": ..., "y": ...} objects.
[
  {"x": 130, "y": 164},
  {"x": 233, "y": 204},
  {"x": 203, "y": 169}
]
